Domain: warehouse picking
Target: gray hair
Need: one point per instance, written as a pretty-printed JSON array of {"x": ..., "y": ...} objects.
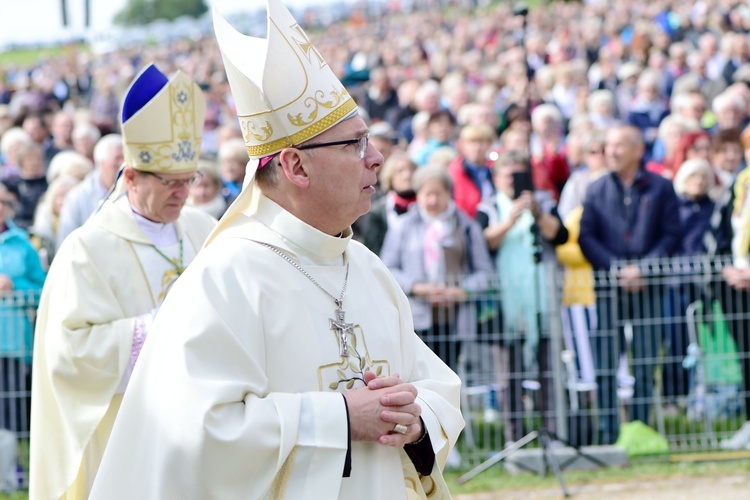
[
  {"x": 68, "y": 163},
  {"x": 11, "y": 137},
  {"x": 234, "y": 148},
  {"x": 31, "y": 147},
  {"x": 679, "y": 101},
  {"x": 649, "y": 78},
  {"x": 692, "y": 167},
  {"x": 210, "y": 170},
  {"x": 727, "y": 100},
  {"x": 105, "y": 145},
  {"x": 429, "y": 173},
  {"x": 599, "y": 97},
  {"x": 546, "y": 110},
  {"x": 596, "y": 137},
  {"x": 86, "y": 130},
  {"x": 635, "y": 136},
  {"x": 511, "y": 157}
]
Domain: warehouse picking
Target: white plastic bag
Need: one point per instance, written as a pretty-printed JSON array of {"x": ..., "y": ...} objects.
[{"x": 8, "y": 461}]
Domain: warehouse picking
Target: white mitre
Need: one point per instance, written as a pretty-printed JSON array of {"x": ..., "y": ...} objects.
[
  {"x": 284, "y": 91},
  {"x": 162, "y": 122}
]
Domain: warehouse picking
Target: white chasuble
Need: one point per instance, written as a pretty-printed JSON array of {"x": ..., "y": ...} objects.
[
  {"x": 96, "y": 288},
  {"x": 238, "y": 392}
]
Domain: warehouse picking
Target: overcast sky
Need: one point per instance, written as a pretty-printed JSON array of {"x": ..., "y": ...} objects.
[{"x": 39, "y": 20}]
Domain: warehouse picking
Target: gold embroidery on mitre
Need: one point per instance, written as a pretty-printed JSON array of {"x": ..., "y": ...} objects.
[
  {"x": 316, "y": 101},
  {"x": 181, "y": 152},
  {"x": 313, "y": 111},
  {"x": 309, "y": 132},
  {"x": 269, "y": 148},
  {"x": 307, "y": 47},
  {"x": 251, "y": 129}
]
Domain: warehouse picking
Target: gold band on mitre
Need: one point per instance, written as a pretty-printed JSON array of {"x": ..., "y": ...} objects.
[{"x": 164, "y": 136}]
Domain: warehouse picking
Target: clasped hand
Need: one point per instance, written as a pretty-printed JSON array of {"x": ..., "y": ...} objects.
[
  {"x": 6, "y": 284},
  {"x": 631, "y": 279},
  {"x": 375, "y": 410},
  {"x": 439, "y": 294},
  {"x": 737, "y": 278}
]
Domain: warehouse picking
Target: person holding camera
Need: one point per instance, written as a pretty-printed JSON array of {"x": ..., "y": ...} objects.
[{"x": 521, "y": 226}]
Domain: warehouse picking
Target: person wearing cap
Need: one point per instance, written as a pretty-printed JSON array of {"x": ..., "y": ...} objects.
[
  {"x": 109, "y": 279},
  {"x": 284, "y": 363}
]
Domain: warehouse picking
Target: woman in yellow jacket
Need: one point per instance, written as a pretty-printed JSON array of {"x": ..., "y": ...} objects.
[
  {"x": 579, "y": 308},
  {"x": 578, "y": 299}
]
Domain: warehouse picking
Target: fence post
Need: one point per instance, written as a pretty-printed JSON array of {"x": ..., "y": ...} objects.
[{"x": 555, "y": 333}]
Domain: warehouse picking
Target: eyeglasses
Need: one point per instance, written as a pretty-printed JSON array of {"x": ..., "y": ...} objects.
[
  {"x": 596, "y": 151},
  {"x": 361, "y": 142},
  {"x": 7, "y": 203},
  {"x": 175, "y": 183}
]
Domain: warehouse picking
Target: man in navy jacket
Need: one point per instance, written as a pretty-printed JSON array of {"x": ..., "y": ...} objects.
[{"x": 629, "y": 214}]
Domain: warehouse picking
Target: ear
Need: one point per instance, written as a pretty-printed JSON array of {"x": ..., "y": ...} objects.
[
  {"x": 129, "y": 175},
  {"x": 294, "y": 167}
]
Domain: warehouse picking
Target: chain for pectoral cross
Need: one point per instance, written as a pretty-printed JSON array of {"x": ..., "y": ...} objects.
[
  {"x": 339, "y": 325},
  {"x": 178, "y": 263}
]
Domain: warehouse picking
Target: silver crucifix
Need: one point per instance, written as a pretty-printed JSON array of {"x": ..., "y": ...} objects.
[{"x": 342, "y": 329}]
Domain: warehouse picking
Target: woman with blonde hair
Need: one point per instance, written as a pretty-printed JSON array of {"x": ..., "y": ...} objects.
[
  {"x": 43, "y": 231},
  {"x": 69, "y": 163},
  {"x": 395, "y": 181},
  {"x": 12, "y": 142}
]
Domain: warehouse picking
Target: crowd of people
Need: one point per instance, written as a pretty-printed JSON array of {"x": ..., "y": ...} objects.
[{"x": 581, "y": 133}]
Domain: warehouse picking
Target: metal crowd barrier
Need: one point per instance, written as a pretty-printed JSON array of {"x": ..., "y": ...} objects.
[
  {"x": 668, "y": 352},
  {"x": 17, "y": 318}
]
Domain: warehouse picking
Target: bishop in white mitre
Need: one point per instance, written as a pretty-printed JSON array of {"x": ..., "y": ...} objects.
[{"x": 266, "y": 354}]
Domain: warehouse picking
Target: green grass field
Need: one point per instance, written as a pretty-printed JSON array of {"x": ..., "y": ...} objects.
[
  {"x": 24, "y": 57},
  {"x": 496, "y": 479}
]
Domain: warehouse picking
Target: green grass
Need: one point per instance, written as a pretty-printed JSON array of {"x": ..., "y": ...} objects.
[
  {"x": 20, "y": 495},
  {"x": 496, "y": 479},
  {"x": 23, "y": 57}
]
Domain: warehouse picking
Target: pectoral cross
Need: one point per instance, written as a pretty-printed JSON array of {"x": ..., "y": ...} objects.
[{"x": 341, "y": 328}]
